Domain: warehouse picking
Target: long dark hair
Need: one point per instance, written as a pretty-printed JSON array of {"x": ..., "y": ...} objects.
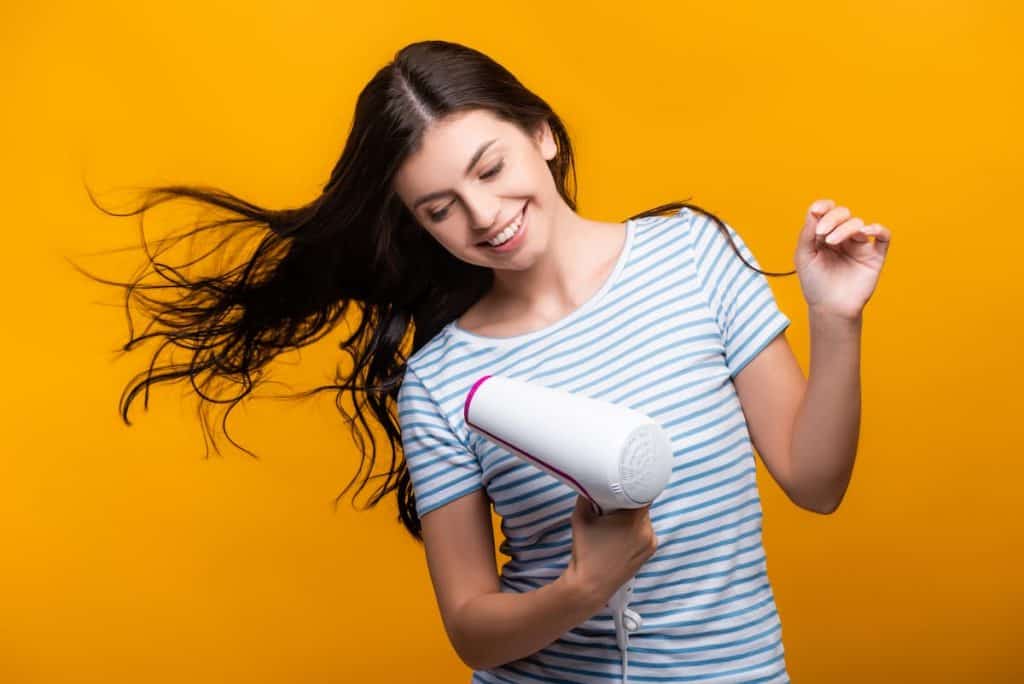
[{"x": 354, "y": 244}]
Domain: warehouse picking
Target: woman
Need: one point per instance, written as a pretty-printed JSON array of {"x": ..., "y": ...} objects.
[{"x": 450, "y": 215}]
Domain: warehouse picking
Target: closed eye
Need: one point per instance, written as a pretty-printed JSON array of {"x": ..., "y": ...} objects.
[
  {"x": 493, "y": 171},
  {"x": 490, "y": 173}
]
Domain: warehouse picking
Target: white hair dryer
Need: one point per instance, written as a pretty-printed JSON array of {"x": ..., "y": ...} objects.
[{"x": 614, "y": 456}]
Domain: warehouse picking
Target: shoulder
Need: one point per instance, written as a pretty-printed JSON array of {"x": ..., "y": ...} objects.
[
  {"x": 659, "y": 232},
  {"x": 670, "y": 225},
  {"x": 423, "y": 361}
]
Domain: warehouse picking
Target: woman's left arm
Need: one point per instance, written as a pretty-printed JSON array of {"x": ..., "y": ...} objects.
[
  {"x": 827, "y": 424},
  {"x": 807, "y": 431}
]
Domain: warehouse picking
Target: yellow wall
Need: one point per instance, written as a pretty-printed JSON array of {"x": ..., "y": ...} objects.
[{"x": 129, "y": 557}]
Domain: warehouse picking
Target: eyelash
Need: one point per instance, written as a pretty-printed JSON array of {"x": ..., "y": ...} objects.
[{"x": 490, "y": 173}]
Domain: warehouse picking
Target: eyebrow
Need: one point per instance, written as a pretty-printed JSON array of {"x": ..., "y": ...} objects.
[{"x": 469, "y": 167}]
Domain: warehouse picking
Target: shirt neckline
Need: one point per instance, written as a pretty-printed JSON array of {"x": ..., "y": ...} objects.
[{"x": 461, "y": 333}]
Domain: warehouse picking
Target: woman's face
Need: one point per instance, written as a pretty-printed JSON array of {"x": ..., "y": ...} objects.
[{"x": 475, "y": 173}]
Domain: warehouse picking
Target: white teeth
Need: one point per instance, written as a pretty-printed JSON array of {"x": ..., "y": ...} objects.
[{"x": 507, "y": 234}]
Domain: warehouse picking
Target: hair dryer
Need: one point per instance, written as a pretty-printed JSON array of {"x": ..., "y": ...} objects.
[{"x": 614, "y": 456}]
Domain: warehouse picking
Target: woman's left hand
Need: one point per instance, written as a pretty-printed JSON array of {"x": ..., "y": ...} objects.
[{"x": 837, "y": 261}]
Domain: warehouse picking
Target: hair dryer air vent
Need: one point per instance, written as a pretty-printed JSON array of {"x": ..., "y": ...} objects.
[{"x": 641, "y": 479}]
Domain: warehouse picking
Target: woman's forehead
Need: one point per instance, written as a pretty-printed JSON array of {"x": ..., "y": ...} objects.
[
  {"x": 449, "y": 146},
  {"x": 462, "y": 130}
]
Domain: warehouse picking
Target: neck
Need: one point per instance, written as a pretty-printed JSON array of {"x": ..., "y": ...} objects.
[{"x": 568, "y": 255}]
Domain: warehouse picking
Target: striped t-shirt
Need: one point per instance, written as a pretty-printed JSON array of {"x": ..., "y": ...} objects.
[{"x": 679, "y": 316}]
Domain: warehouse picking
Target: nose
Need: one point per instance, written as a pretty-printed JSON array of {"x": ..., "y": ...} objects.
[{"x": 484, "y": 211}]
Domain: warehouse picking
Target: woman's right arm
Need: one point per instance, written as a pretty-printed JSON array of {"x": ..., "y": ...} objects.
[{"x": 488, "y": 627}]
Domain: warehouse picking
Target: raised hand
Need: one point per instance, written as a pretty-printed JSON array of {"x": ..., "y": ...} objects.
[{"x": 839, "y": 259}]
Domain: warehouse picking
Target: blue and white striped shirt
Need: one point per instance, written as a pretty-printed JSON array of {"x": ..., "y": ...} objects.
[{"x": 677, "y": 319}]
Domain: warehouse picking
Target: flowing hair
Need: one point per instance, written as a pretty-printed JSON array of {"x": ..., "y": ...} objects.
[{"x": 356, "y": 243}]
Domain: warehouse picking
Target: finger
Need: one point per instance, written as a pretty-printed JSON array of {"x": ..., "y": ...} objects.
[
  {"x": 819, "y": 207},
  {"x": 831, "y": 219},
  {"x": 814, "y": 214},
  {"x": 844, "y": 231},
  {"x": 880, "y": 232},
  {"x": 585, "y": 507},
  {"x": 882, "y": 237},
  {"x": 805, "y": 245},
  {"x": 642, "y": 511}
]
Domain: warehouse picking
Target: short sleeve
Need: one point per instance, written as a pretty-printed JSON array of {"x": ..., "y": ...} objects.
[
  {"x": 739, "y": 297},
  {"x": 441, "y": 467}
]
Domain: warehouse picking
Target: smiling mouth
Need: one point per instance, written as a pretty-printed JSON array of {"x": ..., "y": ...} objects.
[{"x": 518, "y": 217}]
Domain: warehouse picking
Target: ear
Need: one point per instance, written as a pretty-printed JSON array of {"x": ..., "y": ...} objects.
[{"x": 545, "y": 140}]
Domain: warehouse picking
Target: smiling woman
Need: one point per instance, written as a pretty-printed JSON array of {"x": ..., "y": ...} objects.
[
  {"x": 485, "y": 197},
  {"x": 452, "y": 198}
]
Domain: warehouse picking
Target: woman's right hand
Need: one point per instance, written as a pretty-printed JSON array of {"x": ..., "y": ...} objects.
[{"x": 607, "y": 550}]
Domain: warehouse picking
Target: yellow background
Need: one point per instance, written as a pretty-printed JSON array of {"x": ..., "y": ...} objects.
[{"x": 129, "y": 557}]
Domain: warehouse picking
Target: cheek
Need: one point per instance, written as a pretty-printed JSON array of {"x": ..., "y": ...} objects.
[
  {"x": 533, "y": 184},
  {"x": 540, "y": 179}
]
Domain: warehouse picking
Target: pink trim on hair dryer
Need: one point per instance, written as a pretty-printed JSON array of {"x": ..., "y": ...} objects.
[{"x": 465, "y": 414}]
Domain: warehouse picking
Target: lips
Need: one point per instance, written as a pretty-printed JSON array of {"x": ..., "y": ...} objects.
[{"x": 518, "y": 216}]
